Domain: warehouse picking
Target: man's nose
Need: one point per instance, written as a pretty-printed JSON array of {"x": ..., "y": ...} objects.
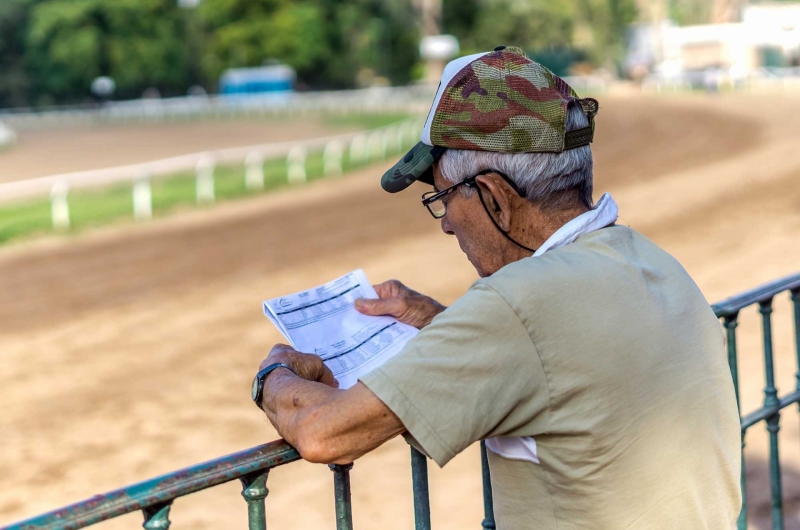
[{"x": 446, "y": 228}]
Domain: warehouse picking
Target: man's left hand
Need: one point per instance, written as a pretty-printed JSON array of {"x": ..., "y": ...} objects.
[{"x": 305, "y": 365}]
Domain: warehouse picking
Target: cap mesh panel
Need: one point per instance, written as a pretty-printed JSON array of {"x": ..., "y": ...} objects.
[{"x": 503, "y": 102}]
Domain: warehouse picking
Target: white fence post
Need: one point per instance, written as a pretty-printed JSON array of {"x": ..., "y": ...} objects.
[
  {"x": 358, "y": 150},
  {"x": 375, "y": 146},
  {"x": 254, "y": 171},
  {"x": 332, "y": 158},
  {"x": 398, "y": 139},
  {"x": 390, "y": 140},
  {"x": 59, "y": 208},
  {"x": 409, "y": 132},
  {"x": 142, "y": 197},
  {"x": 296, "y": 164},
  {"x": 205, "y": 179}
]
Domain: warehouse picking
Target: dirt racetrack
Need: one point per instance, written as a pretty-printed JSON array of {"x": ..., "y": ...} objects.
[
  {"x": 129, "y": 351},
  {"x": 39, "y": 153}
]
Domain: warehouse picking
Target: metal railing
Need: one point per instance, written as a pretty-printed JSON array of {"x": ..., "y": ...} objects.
[
  {"x": 154, "y": 497},
  {"x": 728, "y": 311}
]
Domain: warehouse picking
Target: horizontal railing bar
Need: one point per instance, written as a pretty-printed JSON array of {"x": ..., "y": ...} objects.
[
  {"x": 732, "y": 305},
  {"x": 764, "y": 413},
  {"x": 162, "y": 489}
]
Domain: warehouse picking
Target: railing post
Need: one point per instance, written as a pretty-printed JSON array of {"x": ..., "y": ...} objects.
[
  {"x": 142, "y": 196},
  {"x": 773, "y": 421},
  {"x": 488, "y": 502},
  {"x": 204, "y": 184},
  {"x": 386, "y": 140},
  {"x": 59, "y": 207},
  {"x": 332, "y": 158},
  {"x": 341, "y": 490},
  {"x": 358, "y": 150},
  {"x": 796, "y": 303},
  {"x": 409, "y": 132},
  {"x": 254, "y": 171},
  {"x": 419, "y": 481},
  {"x": 156, "y": 517},
  {"x": 254, "y": 491},
  {"x": 296, "y": 164},
  {"x": 731, "y": 322},
  {"x": 375, "y": 146},
  {"x": 398, "y": 139}
]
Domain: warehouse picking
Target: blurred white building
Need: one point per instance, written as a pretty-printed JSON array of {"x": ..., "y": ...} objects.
[{"x": 768, "y": 36}]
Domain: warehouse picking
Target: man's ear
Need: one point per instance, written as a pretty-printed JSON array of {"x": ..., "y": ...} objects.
[{"x": 498, "y": 197}]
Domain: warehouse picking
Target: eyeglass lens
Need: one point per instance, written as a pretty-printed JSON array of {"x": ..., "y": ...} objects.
[{"x": 437, "y": 208}]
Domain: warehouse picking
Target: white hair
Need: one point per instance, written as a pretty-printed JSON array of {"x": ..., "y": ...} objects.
[{"x": 552, "y": 181}]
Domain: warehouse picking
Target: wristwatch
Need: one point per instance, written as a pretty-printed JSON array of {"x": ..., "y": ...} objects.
[{"x": 258, "y": 382}]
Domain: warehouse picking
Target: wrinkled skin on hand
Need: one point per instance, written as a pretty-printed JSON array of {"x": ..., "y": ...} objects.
[
  {"x": 306, "y": 365},
  {"x": 397, "y": 300}
]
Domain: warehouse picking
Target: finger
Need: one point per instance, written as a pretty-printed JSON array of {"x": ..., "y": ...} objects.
[
  {"x": 282, "y": 348},
  {"x": 389, "y": 288},
  {"x": 394, "y": 306},
  {"x": 326, "y": 377}
]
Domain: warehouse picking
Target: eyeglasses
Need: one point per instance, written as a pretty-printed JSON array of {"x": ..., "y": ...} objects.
[{"x": 434, "y": 200}]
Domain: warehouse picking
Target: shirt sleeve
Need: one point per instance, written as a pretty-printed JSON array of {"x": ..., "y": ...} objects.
[{"x": 472, "y": 373}]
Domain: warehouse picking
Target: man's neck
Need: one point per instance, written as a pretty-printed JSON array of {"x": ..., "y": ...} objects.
[{"x": 536, "y": 225}]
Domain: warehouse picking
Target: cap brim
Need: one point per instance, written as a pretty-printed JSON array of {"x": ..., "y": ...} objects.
[{"x": 417, "y": 165}]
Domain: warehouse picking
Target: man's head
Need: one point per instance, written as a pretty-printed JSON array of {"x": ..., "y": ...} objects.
[{"x": 514, "y": 138}]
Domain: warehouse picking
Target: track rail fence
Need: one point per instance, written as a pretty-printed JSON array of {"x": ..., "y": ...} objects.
[
  {"x": 154, "y": 497},
  {"x": 357, "y": 148}
]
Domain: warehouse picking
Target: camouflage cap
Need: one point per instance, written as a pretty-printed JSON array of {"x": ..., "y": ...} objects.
[{"x": 495, "y": 101}]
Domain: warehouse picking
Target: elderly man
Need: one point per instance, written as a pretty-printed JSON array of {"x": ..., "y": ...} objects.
[{"x": 585, "y": 355}]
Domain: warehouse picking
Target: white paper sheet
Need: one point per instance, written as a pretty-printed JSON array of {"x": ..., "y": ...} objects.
[{"x": 324, "y": 321}]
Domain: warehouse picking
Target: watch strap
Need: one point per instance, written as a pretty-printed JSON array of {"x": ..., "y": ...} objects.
[{"x": 262, "y": 376}]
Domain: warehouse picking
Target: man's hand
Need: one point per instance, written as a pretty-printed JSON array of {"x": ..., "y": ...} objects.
[
  {"x": 323, "y": 423},
  {"x": 308, "y": 366},
  {"x": 397, "y": 300}
]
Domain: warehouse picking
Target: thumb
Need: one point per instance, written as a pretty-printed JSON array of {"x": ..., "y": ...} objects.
[{"x": 378, "y": 306}]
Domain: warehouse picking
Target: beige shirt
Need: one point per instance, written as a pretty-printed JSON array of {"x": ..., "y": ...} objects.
[{"x": 605, "y": 352}]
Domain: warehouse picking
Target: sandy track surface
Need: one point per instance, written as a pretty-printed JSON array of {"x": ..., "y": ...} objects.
[
  {"x": 128, "y": 352},
  {"x": 53, "y": 151}
]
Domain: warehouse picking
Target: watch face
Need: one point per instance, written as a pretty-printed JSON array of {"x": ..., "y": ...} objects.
[{"x": 255, "y": 388}]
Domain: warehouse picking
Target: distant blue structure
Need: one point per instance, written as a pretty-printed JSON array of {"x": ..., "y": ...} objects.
[{"x": 259, "y": 80}]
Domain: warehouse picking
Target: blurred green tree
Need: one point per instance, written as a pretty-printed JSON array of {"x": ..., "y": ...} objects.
[
  {"x": 15, "y": 78},
  {"x": 331, "y": 43},
  {"x": 688, "y": 12},
  {"x": 550, "y": 31},
  {"x": 51, "y": 50},
  {"x": 139, "y": 43}
]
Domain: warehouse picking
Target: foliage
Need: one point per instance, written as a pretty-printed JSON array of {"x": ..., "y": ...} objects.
[
  {"x": 329, "y": 42},
  {"x": 687, "y": 12},
  {"x": 15, "y": 79},
  {"x": 546, "y": 29},
  {"x": 136, "y": 42},
  {"x": 51, "y": 50}
]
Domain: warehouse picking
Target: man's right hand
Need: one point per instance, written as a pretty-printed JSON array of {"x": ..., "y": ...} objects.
[{"x": 397, "y": 300}]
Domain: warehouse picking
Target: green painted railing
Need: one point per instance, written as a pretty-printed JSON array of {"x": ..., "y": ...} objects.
[
  {"x": 728, "y": 311},
  {"x": 154, "y": 497}
]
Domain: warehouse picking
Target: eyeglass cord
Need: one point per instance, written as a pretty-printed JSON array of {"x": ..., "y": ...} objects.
[{"x": 480, "y": 195}]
